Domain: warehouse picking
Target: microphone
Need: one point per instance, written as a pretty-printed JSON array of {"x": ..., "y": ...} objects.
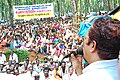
[{"x": 79, "y": 51}]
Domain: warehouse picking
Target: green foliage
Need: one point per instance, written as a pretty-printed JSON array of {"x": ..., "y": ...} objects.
[
  {"x": 65, "y": 5},
  {"x": 22, "y": 54},
  {"x": 7, "y": 52}
]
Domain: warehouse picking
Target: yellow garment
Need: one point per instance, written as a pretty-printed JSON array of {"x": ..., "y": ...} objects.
[
  {"x": 57, "y": 77},
  {"x": 37, "y": 46},
  {"x": 31, "y": 39},
  {"x": 116, "y": 15}
]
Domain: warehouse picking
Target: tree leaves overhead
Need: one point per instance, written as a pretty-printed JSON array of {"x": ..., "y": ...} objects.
[{"x": 64, "y": 6}]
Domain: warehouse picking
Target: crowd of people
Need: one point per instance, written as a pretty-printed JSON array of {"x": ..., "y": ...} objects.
[{"x": 52, "y": 38}]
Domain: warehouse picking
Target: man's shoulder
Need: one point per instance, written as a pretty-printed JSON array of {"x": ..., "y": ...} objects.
[{"x": 98, "y": 75}]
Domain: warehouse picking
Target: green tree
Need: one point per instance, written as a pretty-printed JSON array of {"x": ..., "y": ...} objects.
[
  {"x": 2, "y": 9},
  {"x": 58, "y": 7},
  {"x": 10, "y": 11},
  {"x": 61, "y": 7}
]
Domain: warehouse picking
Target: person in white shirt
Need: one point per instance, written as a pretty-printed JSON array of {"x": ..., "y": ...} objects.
[
  {"x": 45, "y": 75},
  {"x": 2, "y": 60},
  {"x": 101, "y": 46},
  {"x": 13, "y": 58},
  {"x": 71, "y": 75}
]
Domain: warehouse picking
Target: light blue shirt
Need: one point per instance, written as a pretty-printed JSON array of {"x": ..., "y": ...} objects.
[{"x": 101, "y": 70}]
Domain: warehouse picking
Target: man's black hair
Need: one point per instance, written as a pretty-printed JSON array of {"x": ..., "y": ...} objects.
[{"x": 46, "y": 68}]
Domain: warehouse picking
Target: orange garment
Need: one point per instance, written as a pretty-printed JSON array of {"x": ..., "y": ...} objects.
[{"x": 56, "y": 76}]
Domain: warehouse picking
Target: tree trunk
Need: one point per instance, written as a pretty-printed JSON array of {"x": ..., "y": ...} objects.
[
  {"x": 46, "y": 1},
  {"x": 63, "y": 9},
  {"x": 114, "y": 3},
  {"x": 10, "y": 11},
  {"x": 94, "y": 3},
  {"x": 106, "y": 5},
  {"x": 58, "y": 6},
  {"x": 16, "y": 2},
  {"x": 99, "y": 6},
  {"x": 86, "y": 7},
  {"x": 26, "y": 2},
  {"x": 2, "y": 8},
  {"x": 79, "y": 12},
  {"x": 33, "y": 2},
  {"x": 111, "y": 6},
  {"x": 74, "y": 18},
  {"x": 19, "y": 2}
]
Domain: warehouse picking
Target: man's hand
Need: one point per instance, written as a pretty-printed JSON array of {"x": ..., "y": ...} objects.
[{"x": 77, "y": 63}]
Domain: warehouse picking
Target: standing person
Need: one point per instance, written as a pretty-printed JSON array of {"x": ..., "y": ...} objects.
[
  {"x": 64, "y": 68},
  {"x": 13, "y": 58},
  {"x": 101, "y": 46}
]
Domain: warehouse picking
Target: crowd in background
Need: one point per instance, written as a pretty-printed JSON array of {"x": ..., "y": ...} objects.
[{"x": 52, "y": 38}]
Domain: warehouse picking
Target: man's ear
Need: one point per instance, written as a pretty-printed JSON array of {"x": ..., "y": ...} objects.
[{"x": 93, "y": 46}]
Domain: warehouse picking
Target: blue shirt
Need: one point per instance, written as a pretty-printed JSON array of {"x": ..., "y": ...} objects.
[
  {"x": 11, "y": 45},
  {"x": 56, "y": 40},
  {"x": 101, "y": 70}
]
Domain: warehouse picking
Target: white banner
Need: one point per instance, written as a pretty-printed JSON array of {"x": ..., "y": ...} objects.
[{"x": 33, "y": 11}]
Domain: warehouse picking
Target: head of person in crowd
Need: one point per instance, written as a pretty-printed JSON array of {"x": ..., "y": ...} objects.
[
  {"x": 16, "y": 72},
  {"x": 8, "y": 71},
  {"x": 63, "y": 66},
  {"x": 52, "y": 67},
  {"x": 102, "y": 41},
  {"x": 51, "y": 61},
  {"x": 45, "y": 60},
  {"x": 27, "y": 60},
  {"x": 46, "y": 72},
  {"x": 70, "y": 70},
  {"x": 57, "y": 66}
]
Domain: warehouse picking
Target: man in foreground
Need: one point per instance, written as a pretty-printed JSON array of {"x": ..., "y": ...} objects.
[{"x": 101, "y": 46}]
